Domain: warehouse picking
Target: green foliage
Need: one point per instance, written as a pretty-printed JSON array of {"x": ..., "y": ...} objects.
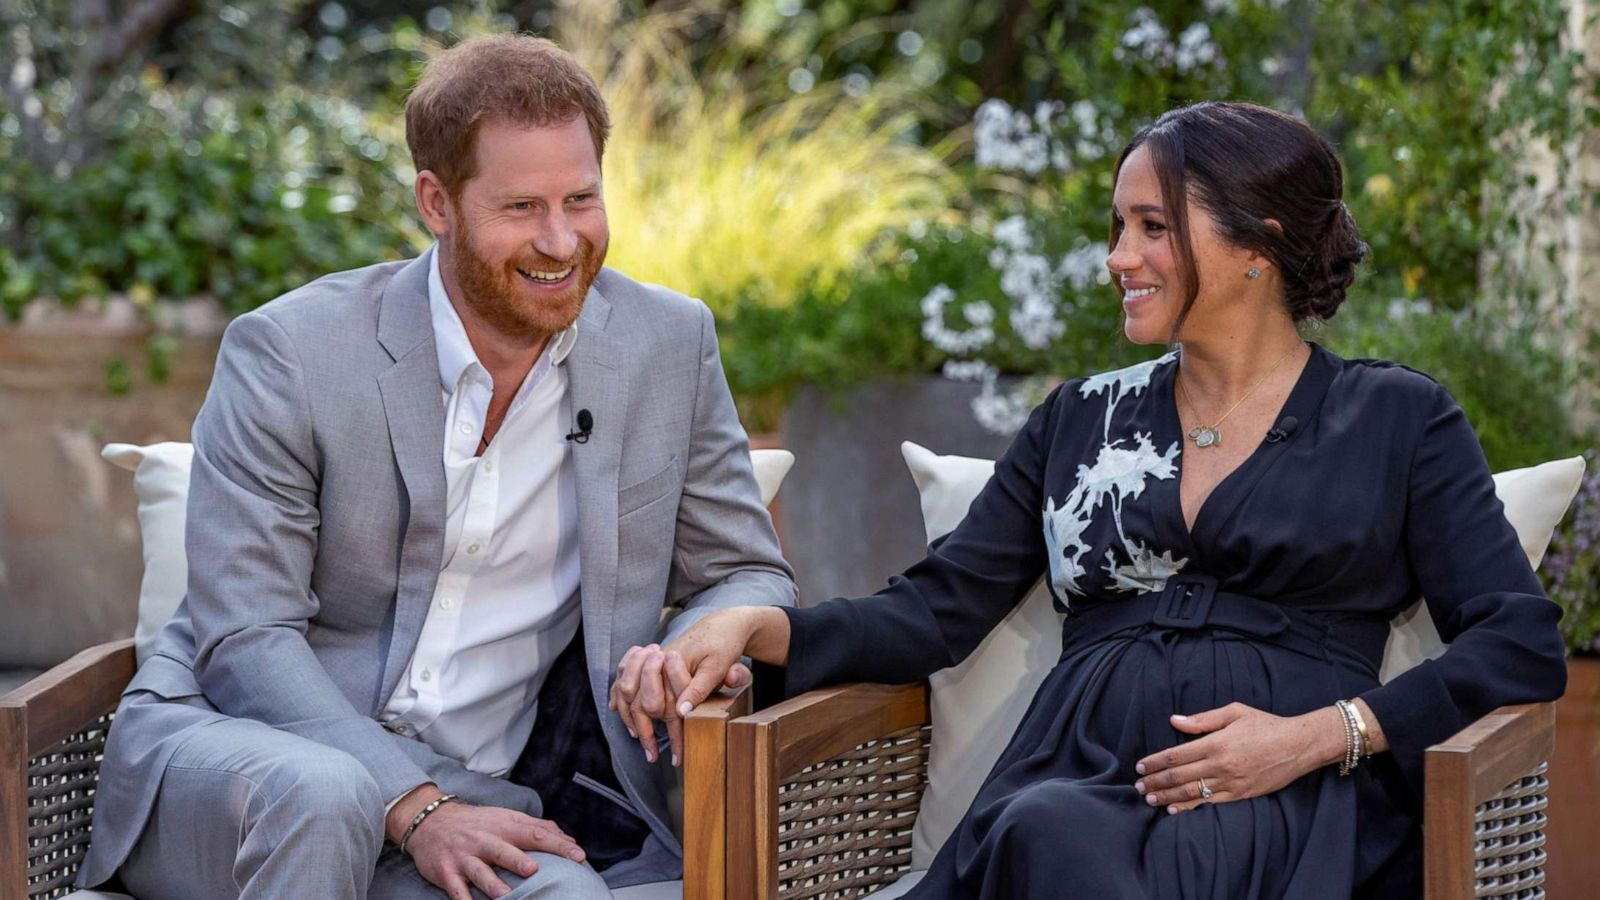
[
  {"x": 1571, "y": 569},
  {"x": 275, "y": 191},
  {"x": 1510, "y": 387}
]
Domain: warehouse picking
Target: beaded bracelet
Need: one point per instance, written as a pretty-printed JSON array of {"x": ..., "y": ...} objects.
[
  {"x": 1352, "y": 738},
  {"x": 426, "y": 812}
]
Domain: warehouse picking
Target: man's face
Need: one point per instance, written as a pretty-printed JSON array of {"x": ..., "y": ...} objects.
[{"x": 528, "y": 232}]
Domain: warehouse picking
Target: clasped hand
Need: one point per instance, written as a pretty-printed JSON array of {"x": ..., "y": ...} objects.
[
  {"x": 652, "y": 684},
  {"x": 1242, "y": 752}
]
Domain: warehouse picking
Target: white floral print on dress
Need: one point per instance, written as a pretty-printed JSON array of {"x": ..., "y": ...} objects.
[{"x": 1119, "y": 473}]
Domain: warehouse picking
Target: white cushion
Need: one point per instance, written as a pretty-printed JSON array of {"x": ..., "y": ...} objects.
[
  {"x": 989, "y": 691},
  {"x": 977, "y": 705},
  {"x": 161, "y": 481},
  {"x": 660, "y": 890},
  {"x": 96, "y": 895},
  {"x": 898, "y": 888}
]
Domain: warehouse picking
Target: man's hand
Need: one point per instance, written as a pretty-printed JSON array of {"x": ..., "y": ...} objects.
[
  {"x": 459, "y": 845},
  {"x": 1244, "y": 753},
  {"x": 642, "y": 693}
]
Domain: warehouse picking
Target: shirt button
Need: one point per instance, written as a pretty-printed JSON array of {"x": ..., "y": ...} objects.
[
  {"x": 466, "y": 427},
  {"x": 427, "y": 675},
  {"x": 446, "y": 603},
  {"x": 488, "y": 465},
  {"x": 472, "y": 549},
  {"x": 402, "y": 730}
]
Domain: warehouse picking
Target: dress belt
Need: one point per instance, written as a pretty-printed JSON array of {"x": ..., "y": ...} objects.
[{"x": 1193, "y": 603}]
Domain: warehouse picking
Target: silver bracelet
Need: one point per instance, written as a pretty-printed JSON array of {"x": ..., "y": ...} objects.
[
  {"x": 426, "y": 812},
  {"x": 1352, "y": 738}
]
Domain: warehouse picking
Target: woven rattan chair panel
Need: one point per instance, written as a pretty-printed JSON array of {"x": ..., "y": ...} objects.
[
  {"x": 61, "y": 784},
  {"x": 844, "y": 825},
  {"x": 1508, "y": 840}
]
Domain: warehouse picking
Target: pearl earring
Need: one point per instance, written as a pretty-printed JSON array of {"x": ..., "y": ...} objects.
[{"x": 1253, "y": 273}]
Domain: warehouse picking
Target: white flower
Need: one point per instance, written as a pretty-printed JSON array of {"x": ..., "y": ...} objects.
[
  {"x": 1221, "y": 7},
  {"x": 1082, "y": 266},
  {"x": 1146, "y": 38},
  {"x": 1012, "y": 234},
  {"x": 1005, "y": 139},
  {"x": 1195, "y": 47},
  {"x": 967, "y": 370},
  {"x": 947, "y": 339},
  {"x": 1001, "y": 412},
  {"x": 979, "y": 313}
]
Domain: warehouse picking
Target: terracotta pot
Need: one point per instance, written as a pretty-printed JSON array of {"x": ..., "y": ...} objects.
[
  {"x": 1574, "y": 867},
  {"x": 70, "y": 560}
]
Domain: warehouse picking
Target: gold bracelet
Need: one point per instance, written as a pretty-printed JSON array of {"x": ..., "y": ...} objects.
[
  {"x": 426, "y": 812},
  {"x": 1361, "y": 728}
]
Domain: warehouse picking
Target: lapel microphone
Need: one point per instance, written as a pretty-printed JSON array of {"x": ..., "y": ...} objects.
[
  {"x": 1282, "y": 431},
  {"x": 584, "y": 429}
]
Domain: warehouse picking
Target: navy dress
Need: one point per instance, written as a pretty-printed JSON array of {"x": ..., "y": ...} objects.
[{"x": 1280, "y": 598}]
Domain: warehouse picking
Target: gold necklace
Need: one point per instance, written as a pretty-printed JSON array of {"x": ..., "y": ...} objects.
[{"x": 1211, "y": 435}]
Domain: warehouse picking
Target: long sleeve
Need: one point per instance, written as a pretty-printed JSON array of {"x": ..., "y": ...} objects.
[
  {"x": 252, "y": 539},
  {"x": 1481, "y": 592},
  {"x": 938, "y": 611},
  {"x": 725, "y": 551}
]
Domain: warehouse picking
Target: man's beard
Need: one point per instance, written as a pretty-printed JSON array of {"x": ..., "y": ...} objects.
[{"x": 496, "y": 295}]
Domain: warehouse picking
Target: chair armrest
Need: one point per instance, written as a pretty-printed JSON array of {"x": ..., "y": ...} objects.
[
  {"x": 705, "y": 798},
  {"x": 825, "y": 787},
  {"x": 1483, "y": 818},
  {"x": 52, "y": 731}
]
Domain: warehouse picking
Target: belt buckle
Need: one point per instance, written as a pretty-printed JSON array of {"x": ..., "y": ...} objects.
[{"x": 1185, "y": 602}]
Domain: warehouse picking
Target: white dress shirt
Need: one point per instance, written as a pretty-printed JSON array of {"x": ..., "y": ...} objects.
[{"x": 506, "y": 602}]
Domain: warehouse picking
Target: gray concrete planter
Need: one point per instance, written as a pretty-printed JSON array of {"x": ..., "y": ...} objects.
[{"x": 850, "y": 516}]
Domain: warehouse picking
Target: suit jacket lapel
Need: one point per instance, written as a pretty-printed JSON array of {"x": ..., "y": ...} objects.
[
  {"x": 415, "y": 412},
  {"x": 594, "y": 383}
]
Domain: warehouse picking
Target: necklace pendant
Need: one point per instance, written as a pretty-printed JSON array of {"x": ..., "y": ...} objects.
[{"x": 1204, "y": 436}]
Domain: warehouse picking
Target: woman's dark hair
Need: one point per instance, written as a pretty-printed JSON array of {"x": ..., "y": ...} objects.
[{"x": 1245, "y": 164}]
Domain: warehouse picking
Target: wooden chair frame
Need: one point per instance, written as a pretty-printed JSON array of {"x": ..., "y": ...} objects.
[
  {"x": 1483, "y": 820},
  {"x": 52, "y": 732}
]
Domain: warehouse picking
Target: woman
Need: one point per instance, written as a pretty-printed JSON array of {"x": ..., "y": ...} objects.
[{"x": 1230, "y": 528}]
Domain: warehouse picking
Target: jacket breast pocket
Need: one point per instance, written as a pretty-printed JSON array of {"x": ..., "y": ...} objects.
[{"x": 642, "y": 493}]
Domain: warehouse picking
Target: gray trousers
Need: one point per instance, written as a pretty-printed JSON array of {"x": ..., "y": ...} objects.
[{"x": 247, "y": 811}]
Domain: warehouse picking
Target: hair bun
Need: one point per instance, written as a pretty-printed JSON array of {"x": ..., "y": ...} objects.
[{"x": 1320, "y": 288}]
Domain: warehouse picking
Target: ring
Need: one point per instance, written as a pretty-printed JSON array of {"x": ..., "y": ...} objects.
[{"x": 1205, "y": 792}]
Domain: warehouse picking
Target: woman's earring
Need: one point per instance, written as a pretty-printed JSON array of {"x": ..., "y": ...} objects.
[{"x": 1253, "y": 273}]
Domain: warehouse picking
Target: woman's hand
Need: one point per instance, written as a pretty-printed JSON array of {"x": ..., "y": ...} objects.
[
  {"x": 641, "y": 694},
  {"x": 701, "y": 658},
  {"x": 1244, "y": 753}
]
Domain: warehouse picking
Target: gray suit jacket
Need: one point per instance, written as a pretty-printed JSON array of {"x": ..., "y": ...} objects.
[{"x": 316, "y": 532}]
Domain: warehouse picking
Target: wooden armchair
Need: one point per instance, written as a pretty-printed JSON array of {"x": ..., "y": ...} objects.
[
  {"x": 53, "y": 730},
  {"x": 823, "y": 790}
]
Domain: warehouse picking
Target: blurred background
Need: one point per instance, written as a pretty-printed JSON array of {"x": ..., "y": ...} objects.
[{"x": 897, "y": 210}]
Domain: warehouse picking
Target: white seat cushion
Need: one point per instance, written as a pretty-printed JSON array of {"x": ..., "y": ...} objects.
[
  {"x": 977, "y": 705},
  {"x": 660, "y": 890},
  {"x": 899, "y": 888},
  {"x": 96, "y": 895},
  {"x": 161, "y": 480}
]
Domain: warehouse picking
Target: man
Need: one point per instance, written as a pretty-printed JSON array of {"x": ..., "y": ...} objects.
[{"x": 432, "y": 504}]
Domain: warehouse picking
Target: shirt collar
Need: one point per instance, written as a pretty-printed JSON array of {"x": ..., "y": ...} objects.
[{"x": 456, "y": 356}]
